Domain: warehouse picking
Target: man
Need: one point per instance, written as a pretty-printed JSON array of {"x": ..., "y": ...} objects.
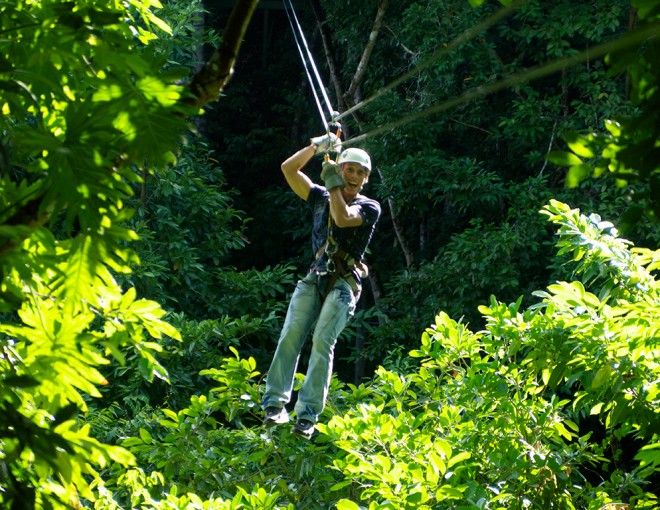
[{"x": 325, "y": 299}]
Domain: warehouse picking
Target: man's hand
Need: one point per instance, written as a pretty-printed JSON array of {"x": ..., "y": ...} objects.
[
  {"x": 327, "y": 143},
  {"x": 331, "y": 176}
]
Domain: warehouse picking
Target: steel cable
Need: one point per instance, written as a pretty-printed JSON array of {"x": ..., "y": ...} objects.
[{"x": 300, "y": 36}]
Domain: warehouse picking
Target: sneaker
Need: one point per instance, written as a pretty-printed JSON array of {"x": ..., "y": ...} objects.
[
  {"x": 303, "y": 428},
  {"x": 275, "y": 416}
]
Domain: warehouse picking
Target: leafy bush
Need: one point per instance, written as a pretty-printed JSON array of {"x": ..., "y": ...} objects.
[
  {"x": 534, "y": 411},
  {"x": 215, "y": 446},
  {"x": 187, "y": 226},
  {"x": 502, "y": 418}
]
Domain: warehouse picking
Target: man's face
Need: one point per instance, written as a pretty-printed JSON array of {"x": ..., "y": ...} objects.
[{"x": 355, "y": 177}]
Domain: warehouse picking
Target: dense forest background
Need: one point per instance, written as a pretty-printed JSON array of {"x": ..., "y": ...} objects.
[
  {"x": 505, "y": 351},
  {"x": 464, "y": 187}
]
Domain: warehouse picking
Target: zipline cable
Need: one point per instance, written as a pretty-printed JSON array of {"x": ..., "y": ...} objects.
[
  {"x": 533, "y": 73},
  {"x": 311, "y": 61},
  {"x": 464, "y": 37},
  {"x": 300, "y": 36},
  {"x": 309, "y": 76}
]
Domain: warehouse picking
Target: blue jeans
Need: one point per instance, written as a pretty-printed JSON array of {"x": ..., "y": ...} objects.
[{"x": 328, "y": 318}]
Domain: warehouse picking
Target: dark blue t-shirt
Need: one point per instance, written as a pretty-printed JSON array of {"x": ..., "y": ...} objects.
[{"x": 353, "y": 240}]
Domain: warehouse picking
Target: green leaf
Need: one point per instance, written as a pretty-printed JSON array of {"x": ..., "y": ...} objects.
[
  {"x": 613, "y": 127},
  {"x": 579, "y": 145},
  {"x": 171, "y": 414},
  {"x": 347, "y": 504},
  {"x": 563, "y": 158},
  {"x": 576, "y": 174},
  {"x": 649, "y": 455},
  {"x": 119, "y": 455},
  {"x": 444, "y": 447},
  {"x": 79, "y": 274},
  {"x": 437, "y": 465},
  {"x": 145, "y": 436},
  {"x": 458, "y": 458},
  {"x": 563, "y": 431},
  {"x": 557, "y": 375},
  {"x": 132, "y": 441},
  {"x": 158, "y": 22},
  {"x": 153, "y": 88},
  {"x": 448, "y": 492},
  {"x": 602, "y": 376}
]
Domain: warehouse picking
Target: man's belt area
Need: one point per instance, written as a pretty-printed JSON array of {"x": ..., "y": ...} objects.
[{"x": 341, "y": 264}]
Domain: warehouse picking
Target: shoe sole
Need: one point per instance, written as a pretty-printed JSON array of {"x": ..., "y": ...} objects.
[
  {"x": 301, "y": 433},
  {"x": 272, "y": 422}
]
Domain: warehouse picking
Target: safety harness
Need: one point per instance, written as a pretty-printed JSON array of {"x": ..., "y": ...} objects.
[{"x": 340, "y": 263}]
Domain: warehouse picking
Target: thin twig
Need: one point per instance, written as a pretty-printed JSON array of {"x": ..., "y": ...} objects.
[{"x": 552, "y": 140}]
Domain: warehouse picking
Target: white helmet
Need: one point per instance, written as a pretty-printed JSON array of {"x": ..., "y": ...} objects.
[{"x": 354, "y": 155}]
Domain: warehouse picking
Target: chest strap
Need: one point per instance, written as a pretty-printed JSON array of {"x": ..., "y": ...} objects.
[{"x": 340, "y": 263}]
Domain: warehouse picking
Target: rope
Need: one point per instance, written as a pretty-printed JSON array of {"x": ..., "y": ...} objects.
[
  {"x": 300, "y": 36},
  {"x": 464, "y": 37},
  {"x": 630, "y": 39}
]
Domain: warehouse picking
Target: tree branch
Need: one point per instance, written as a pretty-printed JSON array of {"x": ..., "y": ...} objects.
[
  {"x": 407, "y": 252},
  {"x": 214, "y": 75},
  {"x": 368, "y": 49},
  {"x": 329, "y": 56}
]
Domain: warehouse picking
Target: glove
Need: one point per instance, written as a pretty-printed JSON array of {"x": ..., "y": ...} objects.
[
  {"x": 331, "y": 176},
  {"x": 327, "y": 143}
]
